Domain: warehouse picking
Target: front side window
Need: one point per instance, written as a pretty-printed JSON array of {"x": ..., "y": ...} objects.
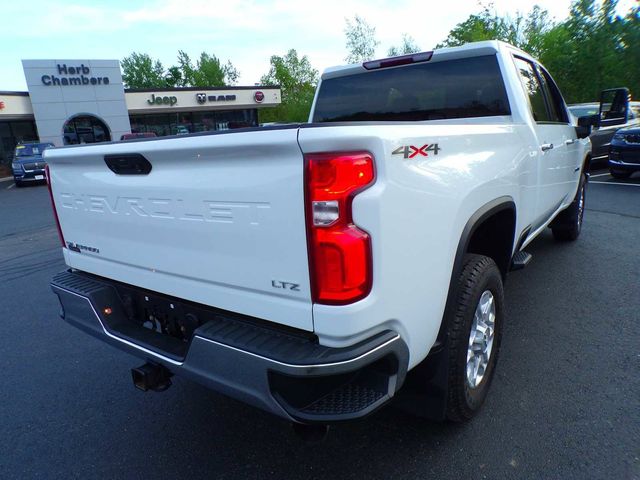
[
  {"x": 533, "y": 89},
  {"x": 555, "y": 112},
  {"x": 554, "y": 97}
]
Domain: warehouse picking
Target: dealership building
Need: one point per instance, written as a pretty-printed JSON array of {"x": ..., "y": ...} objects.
[{"x": 84, "y": 101}]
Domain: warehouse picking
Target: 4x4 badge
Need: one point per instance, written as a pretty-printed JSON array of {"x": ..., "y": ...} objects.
[{"x": 410, "y": 151}]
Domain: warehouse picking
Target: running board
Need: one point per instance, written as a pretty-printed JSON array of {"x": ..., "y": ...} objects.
[{"x": 520, "y": 260}]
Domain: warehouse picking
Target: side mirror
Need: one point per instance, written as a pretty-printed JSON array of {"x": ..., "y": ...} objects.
[
  {"x": 614, "y": 107},
  {"x": 585, "y": 124}
]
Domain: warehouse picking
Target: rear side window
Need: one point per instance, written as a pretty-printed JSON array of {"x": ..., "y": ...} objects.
[
  {"x": 468, "y": 87},
  {"x": 533, "y": 89}
]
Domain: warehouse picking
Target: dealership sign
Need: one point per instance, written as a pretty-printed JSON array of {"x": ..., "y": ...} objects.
[
  {"x": 74, "y": 75},
  {"x": 203, "y": 97},
  {"x": 166, "y": 100}
]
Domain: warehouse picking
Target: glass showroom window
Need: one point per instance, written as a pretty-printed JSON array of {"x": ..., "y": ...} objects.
[{"x": 85, "y": 129}]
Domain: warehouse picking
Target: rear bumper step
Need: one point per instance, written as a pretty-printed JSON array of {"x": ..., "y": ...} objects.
[{"x": 283, "y": 372}]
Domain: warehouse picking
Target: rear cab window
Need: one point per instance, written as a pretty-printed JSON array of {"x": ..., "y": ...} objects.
[{"x": 460, "y": 88}]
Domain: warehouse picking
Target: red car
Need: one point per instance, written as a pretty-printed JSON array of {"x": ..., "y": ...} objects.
[{"x": 133, "y": 136}]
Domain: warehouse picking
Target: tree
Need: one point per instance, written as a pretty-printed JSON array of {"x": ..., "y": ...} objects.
[
  {"x": 187, "y": 70},
  {"x": 211, "y": 73},
  {"x": 525, "y": 32},
  {"x": 630, "y": 39},
  {"x": 231, "y": 73},
  {"x": 297, "y": 80},
  {"x": 139, "y": 70},
  {"x": 479, "y": 26},
  {"x": 534, "y": 31},
  {"x": 361, "y": 40},
  {"x": 408, "y": 46},
  {"x": 591, "y": 50},
  {"x": 173, "y": 77},
  {"x": 594, "y": 49}
]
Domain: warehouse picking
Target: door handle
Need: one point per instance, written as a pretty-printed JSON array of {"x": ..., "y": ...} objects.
[
  {"x": 571, "y": 141},
  {"x": 546, "y": 146}
]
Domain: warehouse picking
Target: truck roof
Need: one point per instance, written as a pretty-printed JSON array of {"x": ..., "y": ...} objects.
[{"x": 486, "y": 47}]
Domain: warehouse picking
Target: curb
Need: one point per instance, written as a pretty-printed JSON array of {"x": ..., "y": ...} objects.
[{"x": 5, "y": 179}]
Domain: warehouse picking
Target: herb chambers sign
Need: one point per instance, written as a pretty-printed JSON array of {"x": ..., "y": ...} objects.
[
  {"x": 73, "y": 75},
  {"x": 68, "y": 94}
]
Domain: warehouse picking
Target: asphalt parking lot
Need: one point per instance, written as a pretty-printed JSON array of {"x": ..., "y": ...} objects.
[{"x": 565, "y": 402}]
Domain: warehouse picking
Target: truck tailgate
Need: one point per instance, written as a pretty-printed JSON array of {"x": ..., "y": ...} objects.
[{"x": 218, "y": 220}]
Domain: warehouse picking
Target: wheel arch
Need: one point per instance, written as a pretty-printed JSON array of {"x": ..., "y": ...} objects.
[
  {"x": 428, "y": 380},
  {"x": 491, "y": 214}
]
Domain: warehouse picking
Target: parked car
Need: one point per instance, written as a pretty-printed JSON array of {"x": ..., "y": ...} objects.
[
  {"x": 28, "y": 165},
  {"x": 602, "y": 135},
  {"x": 181, "y": 130},
  {"x": 624, "y": 153},
  {"x": 584, "y": 109},
  {"x": 135, "y": 135},
  {"x": 311, "y": 269}
]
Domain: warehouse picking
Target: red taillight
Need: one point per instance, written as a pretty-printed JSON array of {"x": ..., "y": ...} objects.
[
  {"x": 53, "y": 205},
  {"x": 339, "y": 251}
]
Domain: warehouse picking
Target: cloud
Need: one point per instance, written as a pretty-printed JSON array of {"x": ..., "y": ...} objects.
[
  {"x": 247, "y": 32},
  {"x": 49, "y": 19}
]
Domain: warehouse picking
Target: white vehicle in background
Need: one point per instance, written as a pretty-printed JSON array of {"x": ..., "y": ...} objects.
[{"x": 316, "y": 271}]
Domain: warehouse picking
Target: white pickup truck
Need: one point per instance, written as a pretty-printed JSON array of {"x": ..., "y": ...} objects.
[{"x": 317, "y": 271}]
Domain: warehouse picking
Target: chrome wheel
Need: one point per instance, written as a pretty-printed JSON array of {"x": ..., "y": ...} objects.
[{"x": 481, "y": 339}]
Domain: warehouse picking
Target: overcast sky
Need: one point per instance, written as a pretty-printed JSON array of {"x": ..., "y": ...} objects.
[{"x": 246, "y": 32}]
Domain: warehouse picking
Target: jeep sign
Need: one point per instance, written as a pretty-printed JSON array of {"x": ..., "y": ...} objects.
[{"x": 171, "y": 101}]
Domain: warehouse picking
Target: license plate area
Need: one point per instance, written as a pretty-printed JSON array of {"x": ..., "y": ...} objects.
[
  {"x": 166, "y": 317},
  {"x": 162, "y": 316},
  {"x": 163, "y": 323}
]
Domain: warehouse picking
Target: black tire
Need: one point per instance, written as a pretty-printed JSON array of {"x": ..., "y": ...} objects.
[
  {"x": 619, "y": 174},
  {"x": 479, "y": 275},
  {"x": 18, "y": 184},
  {"x": 568, "y": 224}
]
